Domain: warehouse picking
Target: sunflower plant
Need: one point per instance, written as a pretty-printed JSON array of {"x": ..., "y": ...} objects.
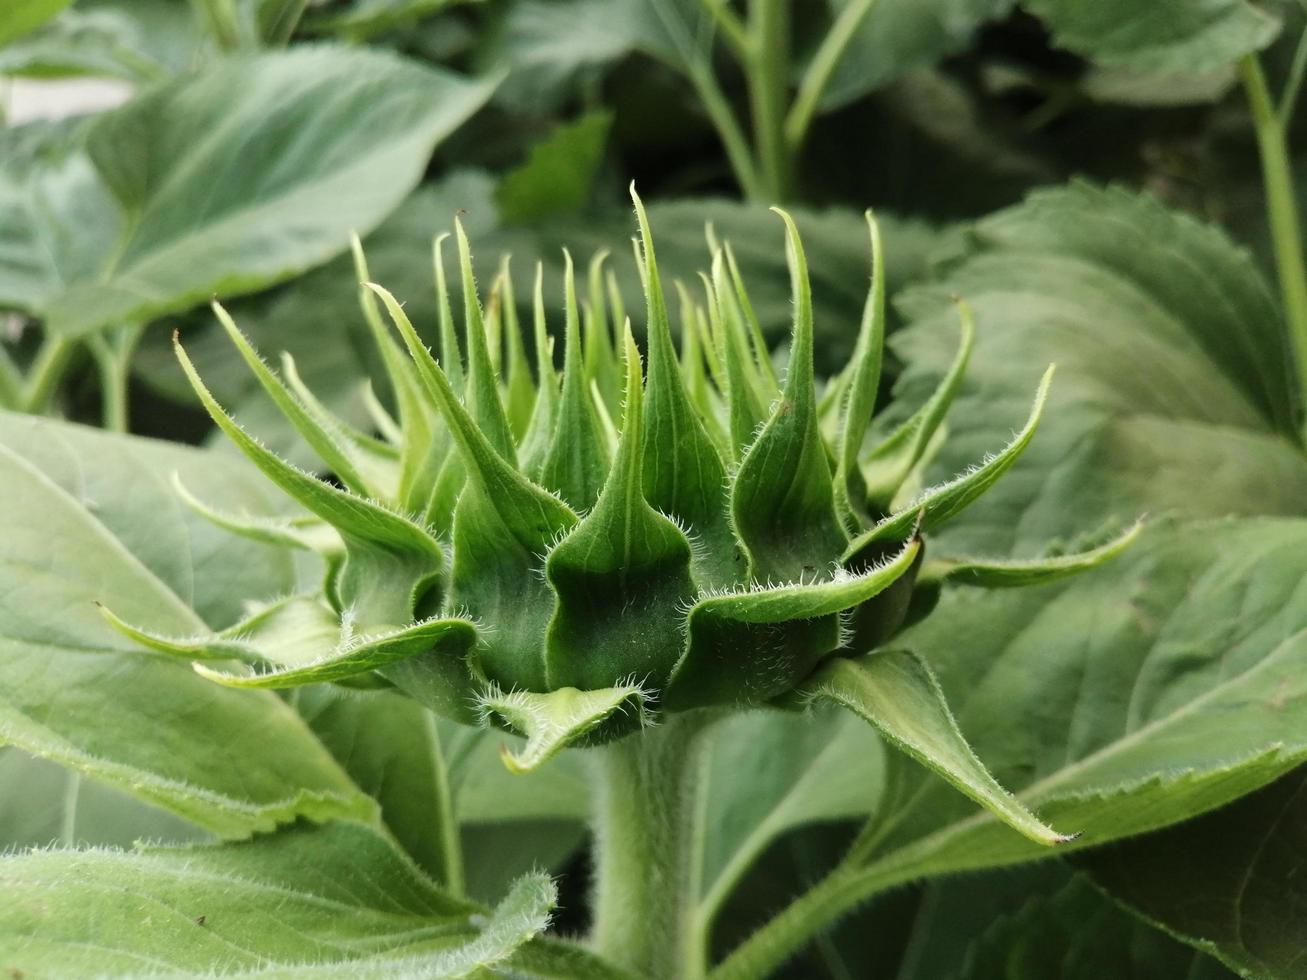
[{"x": 612, "y": 559}]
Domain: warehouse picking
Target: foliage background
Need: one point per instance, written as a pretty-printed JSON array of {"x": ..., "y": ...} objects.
[{"x": 1086, "y": 176}]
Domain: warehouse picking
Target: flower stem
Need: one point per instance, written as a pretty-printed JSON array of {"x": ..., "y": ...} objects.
[
  {"x": 1281, "y": 209},
  {"x": 647, "y": 850}
]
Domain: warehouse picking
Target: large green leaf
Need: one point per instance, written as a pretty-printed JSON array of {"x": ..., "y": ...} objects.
[
  {"x": 137, "y": 40},
  {"x": 1230, "y": 883},
  {"x": 768, "y": 773},
  {"x": 1162, "y": 36},
  {"x": 557, "y": 174},
  {"x": 1073, "y": 930},
  {"x": 333, "y": 901},
  {"x": 42, "y": 803},
  {"x": 57, "y": 219},
  {"x": 90, "y": 517},
  {"x": 898, "y": 35},
  {"x": 1136, "y": 696},
  {"x": 1172, "y": 391},
  {"x": 255, "y": 169},
  {"x": 22, "y": 16}
]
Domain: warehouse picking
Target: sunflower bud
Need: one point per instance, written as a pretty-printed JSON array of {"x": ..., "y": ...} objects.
[{"x": 571, "y": 554}]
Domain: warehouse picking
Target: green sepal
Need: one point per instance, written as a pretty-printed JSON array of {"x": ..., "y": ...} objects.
[
  {"x": 422, "y": 440},
  {"x": 497, "y": 579},
  {"x": 782, "y": 500},
  {"x": 858, "y": 396},
  {"x": 622, "y": 577},
  {"x": 306, "y": 532},
  {"x": 576, "y": 463},
  {"x": 875, "y": 622},
  {"x": 482, "y": 394},
  {"x": 601, "y": 365},
  {"x": 888, "y": 465},
  {"x": 377, "y": 461},
  {"x": 291, "y": 632},
  {"x": 938, "y": 504},
  {"x": 752, "y": 645},
  {"x": 451, "y": 356},
  {"x": 1020, "y": 572},
  {"x": 746, "y": 399},
  {"x": 897, "y": 694},
  {"x": 544, "y": 413},
  {"x": 687, "y": 478},
  {"x": 519, "y": 391},
  {"x": 362, "y": 655},
  {"x": 534, "y": 517},
  {"x": 329, "y": 445},
  {"x": 551, "y": 722},
  {"x": 750, "y": 318},
  {"x": 390, "y": 565}
]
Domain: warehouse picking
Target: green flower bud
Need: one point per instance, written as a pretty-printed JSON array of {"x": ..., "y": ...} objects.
[{"x": 572, "y": 554}]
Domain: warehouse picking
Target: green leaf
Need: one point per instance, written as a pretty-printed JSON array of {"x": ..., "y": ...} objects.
[
  {"x": 563, "y": 717},
  {"x": 291, "y": 208},
  {"x": 900, "y": 35},
  {"x": 895, "y": 692},
  {"x": 754, "y": 644},
  {"x": 782, "y": 498},
  {"x": 1012, "y": 925},
  {"x": 1171, "y": 360},
  {"x": 1228, "y": 883},
  {"x": 347, "y": 903},
  {"x": 558, "y": 173},
  {"x": 771, "y": 772},
  {"x": 22, "y": 16},
  {"x": 138, "y": 41},
  {"x": 1146, "y": 693},
  {"x": 1168, "y": 36},
  {"x": 57, "y": 219},
  {"x": 42, "y": 803},
  {"x": 79, "y": 695},
  {"x": 391, "y": 747},
  {"x": 362, "y": 20},
  {"x": 622, "y": 576}
]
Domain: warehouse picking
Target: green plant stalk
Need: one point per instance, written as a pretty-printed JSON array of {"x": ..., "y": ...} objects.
[
  {"x": 451, "y": 848},
  {"x": 819, "y": 73},
  {"x": 113, "y": 351},
  {"x": 46, "y": 371},
  {"x": 767, "y": 70},
  {"x": 1281, "y": 209},
  {"x": 647, "y": 849}
]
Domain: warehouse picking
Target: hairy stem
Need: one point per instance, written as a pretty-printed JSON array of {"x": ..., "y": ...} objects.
[
  {"x": 647, "y": 850},
  {"x": 802, "y": 921},
  {"x": 1281, "y": 209}
]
